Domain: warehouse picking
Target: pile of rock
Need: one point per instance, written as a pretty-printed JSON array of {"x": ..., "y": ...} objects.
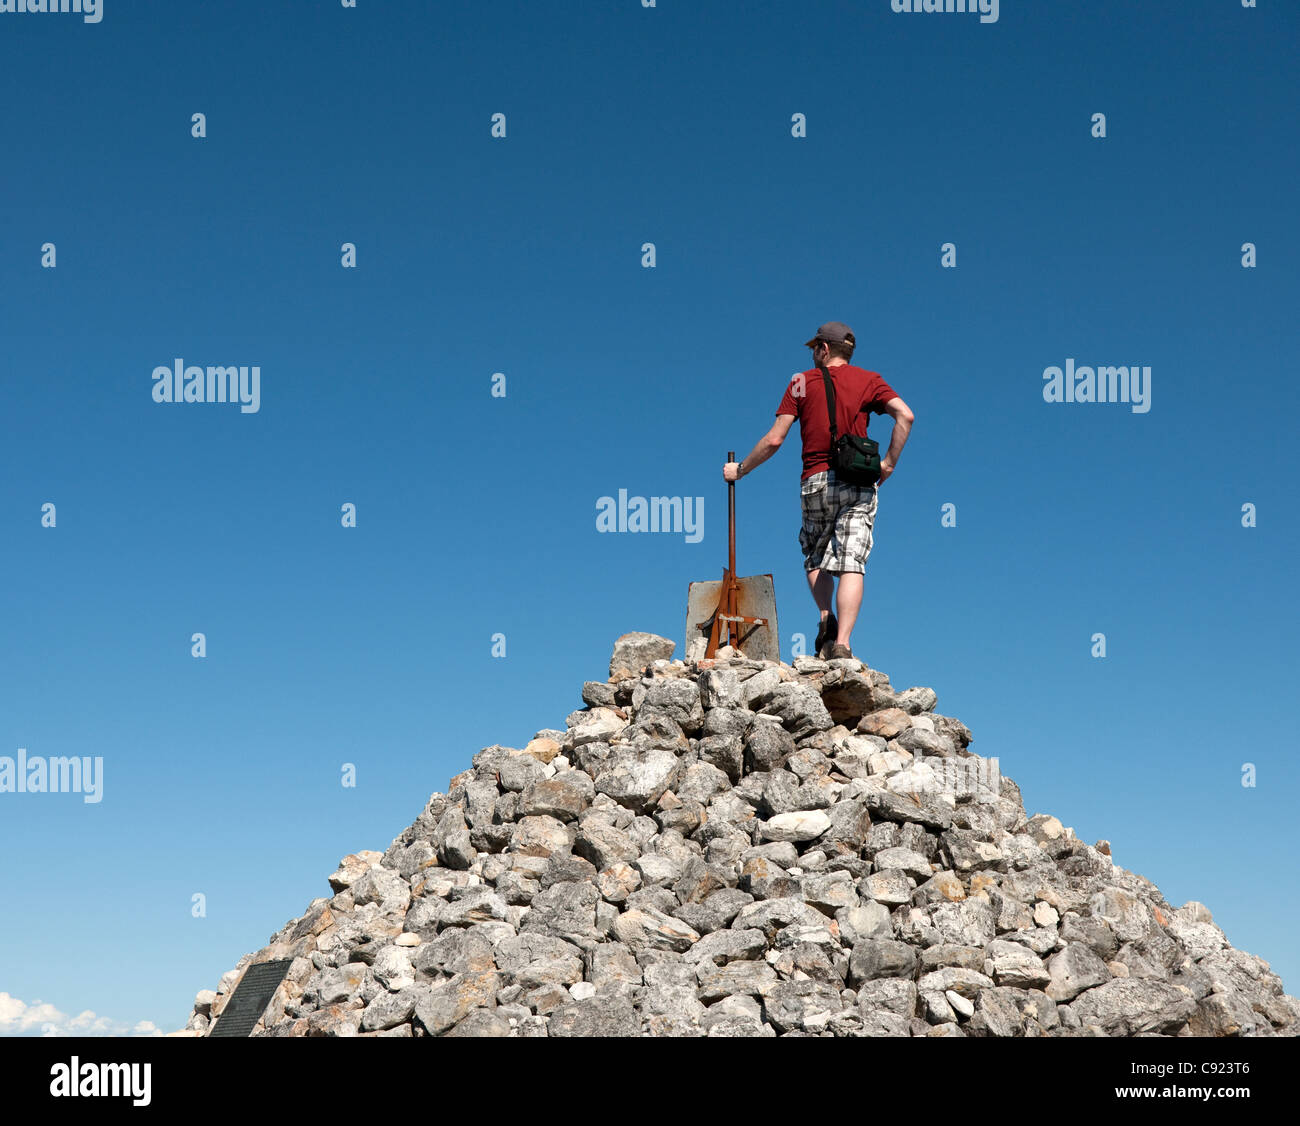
[{"x": 746, "y": 848}]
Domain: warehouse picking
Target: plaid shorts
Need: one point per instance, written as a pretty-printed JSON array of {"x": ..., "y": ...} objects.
[{"x": 837, "y": 523}]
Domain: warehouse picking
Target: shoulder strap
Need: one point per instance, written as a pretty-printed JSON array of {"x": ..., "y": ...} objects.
[{"x": 830, "y": 405}]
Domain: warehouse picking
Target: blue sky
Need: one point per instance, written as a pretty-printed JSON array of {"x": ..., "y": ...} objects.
[{"x": 476, "y": 514}]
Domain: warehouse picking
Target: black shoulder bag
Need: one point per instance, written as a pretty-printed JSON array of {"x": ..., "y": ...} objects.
[{"x": 856, "y": 461}]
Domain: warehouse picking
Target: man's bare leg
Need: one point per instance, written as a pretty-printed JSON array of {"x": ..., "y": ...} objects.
[
  {"x": 822, "y": 585},
  {"x": 848, "y": 601}
]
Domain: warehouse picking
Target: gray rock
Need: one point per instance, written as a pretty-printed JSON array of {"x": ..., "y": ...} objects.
[
  {"x": 454, "y": 952},
  {"x": 589, "y": 757},
  {"x": 905, "y": 860},
  {"x": 921, "y": 808},
  {"x": 1199, "y": 939},
  {"x": 658, "y": 870},
  {"x": 950, "y": 954},
  {"x": 967, "y": 852},
  {"x": 652, "y": 731},
  {"x": 799, "y": 708},
  {"x": 716, "y": 911},
  {"x": 700, "y": 781},
  {"x": 719, "y": 688},
  {"x": 967, "y": 983},
  {"x": 830, "y": 892},
  {"x": 393, "y": 970},
  {"x": 740, "y": 1026},
  {"x": 1128, "y": 1008},
  {"x": 867, "y": 920},
  {"x": 602, "y": 1015},
  {"x": 540, "y": 835},
  {"x": 921, "y": 743},
  {"x": 878, "y": 1023},
  {"x": 555, "y": 970},
  {"x": 564, "y": 797},
  {"x": 996, "y": 1014},
  {"x": 771, "y": 915},
  {"x": 1073, "y": 970},
  {"x": 518, "y": 771},
  {"x": 1010, "y": 963},
  {"x": 850, "y": 825},
  {"x": 517, "y": 952},
  {"x": 617, "y": 882},
  {"x": 336, "y": 986},
  {"x": 802, "y": 1005},
  {"x": 804, "y": 825},
  {"x": 482, "y": 1023},
  {"x": 634, "y": 651},
  {"x": 567, "y": 911},
  {"x": 480, "y": 800},
  {"x": 726, "y": 752},
  {"x": 888, "y": 995},
  {"x": 889, "y": 887},
  {"x": 1225, "y": 1014},
  {"x": 565, "y": 867},
  {"x": 914, "y": 701},
  {"x": 759, "y": 688},
  {"x": 598, "y": 694},
  {"x": 848, "y": 697},
  {"x": 389, "y": 1009},
  {"x": 937, "y": 1008},
  {"x": 952, "y": 729},
  {"x": 781, "y": 793},
  {"x": 766, "y": 880},
  {"x": 637, "y": 778},
  {"x": 968, "y": 923},
  {"x": 884, "y": 957},
  {"x": 723, "y": 946},
  {"x": 1129, "y": 917},
  {"x": 604, "y": 846},
  {"x": 384, "y": 887},
  {"x": 961, "y": 1006},
  {"x": 640, "y": 929},
  {"x": 677, "y": 698},
  {"x": 728, "y": 721},
  {"x": 613, "y": 964},
  {"x": 449, "y": 1002},
  {"x": 767, "y": 745},
  {"x": 740, "y": 976},
  {"x": 781, "y": 853},
  {"x": 701, "y": 878},
  {"x": 474, "y": 905},
  {"x": 413, "y": 859}
]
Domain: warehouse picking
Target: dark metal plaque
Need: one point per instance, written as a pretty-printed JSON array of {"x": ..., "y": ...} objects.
[{"x": 251, "y": 996}]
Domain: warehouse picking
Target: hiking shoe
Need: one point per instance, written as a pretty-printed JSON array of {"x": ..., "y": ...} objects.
[
  {"x": 827, "y": 631},
  {"x": 841, "y": 653}
]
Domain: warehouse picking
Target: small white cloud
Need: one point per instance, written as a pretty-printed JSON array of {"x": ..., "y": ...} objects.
[{"x": 18, "y": 1018}]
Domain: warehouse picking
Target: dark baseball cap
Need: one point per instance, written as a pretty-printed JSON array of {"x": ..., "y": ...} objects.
[{"x": 833, "y": 332}]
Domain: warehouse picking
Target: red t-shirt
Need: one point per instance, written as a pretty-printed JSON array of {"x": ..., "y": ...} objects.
[{"x": 858, "y": 394}]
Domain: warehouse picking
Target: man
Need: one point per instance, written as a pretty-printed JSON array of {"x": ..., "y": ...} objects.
[{"x": 837, "y": 518}]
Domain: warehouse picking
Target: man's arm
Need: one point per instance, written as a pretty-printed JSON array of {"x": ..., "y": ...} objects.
[
  {"x": 767, "y": 445},
  {"x": 903, "y": 419}
]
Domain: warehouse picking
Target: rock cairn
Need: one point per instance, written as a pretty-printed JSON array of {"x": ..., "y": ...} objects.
[{"x": 747, "y": 848}]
